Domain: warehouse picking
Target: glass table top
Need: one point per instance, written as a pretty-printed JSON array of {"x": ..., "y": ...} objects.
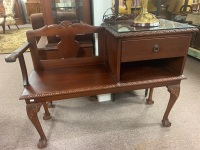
[{"x": 125, "y": 26}]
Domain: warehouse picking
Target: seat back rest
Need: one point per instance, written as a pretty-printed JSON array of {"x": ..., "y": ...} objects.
[{"x": 68, "y": 46}]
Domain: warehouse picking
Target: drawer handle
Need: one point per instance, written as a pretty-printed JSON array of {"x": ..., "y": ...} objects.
[{"x": 156, "y": 48}]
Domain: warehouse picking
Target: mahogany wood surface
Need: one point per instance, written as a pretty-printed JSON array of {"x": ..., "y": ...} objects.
[{"x": 119, "y": 66}]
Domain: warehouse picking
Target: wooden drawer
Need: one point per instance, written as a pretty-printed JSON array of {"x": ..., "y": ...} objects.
[{"x": 154, "y": 48}]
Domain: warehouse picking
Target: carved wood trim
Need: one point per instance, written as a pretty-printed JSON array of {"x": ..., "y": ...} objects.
[
  {"x": 117, "y": 85},
  {"x": 64, "y": 28},
  {"x": 32, "y": 109},
  {"x": 174, "y": 90},
  {"x": 152, "y": 33}
]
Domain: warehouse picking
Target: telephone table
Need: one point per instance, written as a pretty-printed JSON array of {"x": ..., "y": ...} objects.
[
  {"x": 130, "y": 58},
  {"x": 141, "y": 57}
]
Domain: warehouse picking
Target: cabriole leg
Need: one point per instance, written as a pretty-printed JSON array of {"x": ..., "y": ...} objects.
[
  {"x": 32, "y": 110},
  {"x": 174, "y": 91},
  {"x": 47, "y": 115}
]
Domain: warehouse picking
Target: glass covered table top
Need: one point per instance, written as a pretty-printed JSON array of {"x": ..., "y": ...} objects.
[{"x": 125, "y": 26}]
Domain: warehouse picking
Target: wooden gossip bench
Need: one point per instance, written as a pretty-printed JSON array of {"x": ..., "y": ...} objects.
[{"x": 126, "y": 60}]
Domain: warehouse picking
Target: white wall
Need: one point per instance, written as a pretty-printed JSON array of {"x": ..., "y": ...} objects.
[{"x": 99, "y": 8}]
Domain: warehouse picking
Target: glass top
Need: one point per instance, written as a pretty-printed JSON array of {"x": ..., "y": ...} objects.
[{"x": 125, "y": 26}]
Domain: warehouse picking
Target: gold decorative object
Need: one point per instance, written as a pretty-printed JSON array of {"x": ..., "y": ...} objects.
[{"x": 145, "y": 19}]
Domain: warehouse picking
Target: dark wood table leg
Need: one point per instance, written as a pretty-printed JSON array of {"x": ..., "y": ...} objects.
[
  {"x": 50, "y": 104},
  {"x": 47, "y": 114},
  {"x": 149, "y": 101},
  {"x": 174, "y": 91},
  {"x": 146, "y": 92},
  {"x": 113, "y": 97},
  {"x": 93, "y": 98},
  {"x": 32, "y": 110}
]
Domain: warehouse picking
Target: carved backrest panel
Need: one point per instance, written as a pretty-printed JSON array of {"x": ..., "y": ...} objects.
[{"x": 68, "y": 48}]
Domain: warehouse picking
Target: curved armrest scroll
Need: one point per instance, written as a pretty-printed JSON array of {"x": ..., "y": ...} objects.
[{"x": 14, "y": 55}]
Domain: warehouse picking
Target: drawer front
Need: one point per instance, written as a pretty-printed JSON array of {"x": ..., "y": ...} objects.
[{"x": 154, "y": 48}]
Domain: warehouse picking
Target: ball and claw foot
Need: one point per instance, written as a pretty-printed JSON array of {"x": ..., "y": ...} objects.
[
  {"x": 149, "y": 102},
  {"x": 166, "y": 123},
  {"x": 42, "y": 143},
  {"x": 46, "y": 117}
]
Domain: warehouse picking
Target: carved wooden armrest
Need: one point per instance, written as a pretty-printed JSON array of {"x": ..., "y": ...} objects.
[{"x": 19, "y": 54}]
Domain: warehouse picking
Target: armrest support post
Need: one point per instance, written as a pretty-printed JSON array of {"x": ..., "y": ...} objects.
[
  {"x": 23, "y": 70},
  {"x": 19, "y": 54}
]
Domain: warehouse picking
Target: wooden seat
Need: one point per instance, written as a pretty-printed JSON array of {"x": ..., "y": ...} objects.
[{"x": 67, "y": 81}]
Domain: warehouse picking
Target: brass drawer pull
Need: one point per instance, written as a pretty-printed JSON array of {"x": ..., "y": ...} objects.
[{"x": 156, "y": 48}]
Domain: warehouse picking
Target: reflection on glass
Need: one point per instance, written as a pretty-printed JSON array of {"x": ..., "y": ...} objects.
[
  {"x": 125, "y": 26},
  {"x": 127, "y": 6},
  {"x": 71, "y": 10}
]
